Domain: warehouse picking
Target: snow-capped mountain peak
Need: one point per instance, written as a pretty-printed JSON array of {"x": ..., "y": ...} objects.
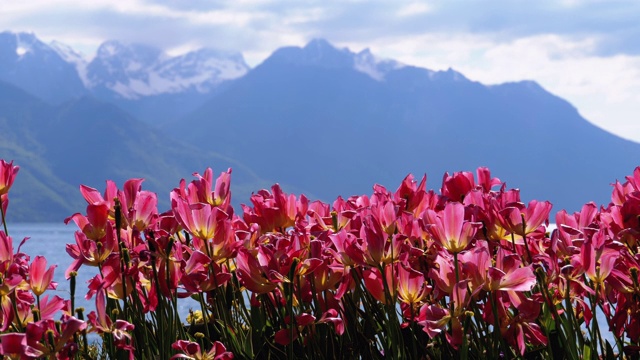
[
  {"x": 319, "y": 52},
  {"x": 24, "y": 43},
  {"x": 37, "y": 68},
  {"x": 21, "y": 43},
  {"x": 134, "y": 71}
]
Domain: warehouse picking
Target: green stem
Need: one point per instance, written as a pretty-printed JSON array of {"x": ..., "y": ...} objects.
[
  {"x": 497, "y": 334},
  {"x": 123, "y": 253},
  {"x": 205, "y": 316},
  {"x": 4, "y": 223},
  {"x": 524, "y": 238},
  {"x": 595, "y": 329},
  {"x": 290, "y": 295},
  {"x": 161, "y": 305},
  {"x": 571, "y": 328}
]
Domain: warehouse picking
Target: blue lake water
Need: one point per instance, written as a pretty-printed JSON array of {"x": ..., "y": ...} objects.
[{"x": 49, "y": 240}]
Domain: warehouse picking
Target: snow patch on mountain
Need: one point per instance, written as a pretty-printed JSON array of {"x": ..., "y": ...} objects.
[
  {"x": 134, "y": 71},
  {"x": 73, "y": 57},
  {"x": 66, "y": 52},
  {"x": 319, "y": 52},
  {"x": 24, "y": 44},
  {"x": 376, "y": 68}
]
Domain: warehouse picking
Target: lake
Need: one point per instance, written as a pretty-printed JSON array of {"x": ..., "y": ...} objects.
[{"x": 49, "y": 240}]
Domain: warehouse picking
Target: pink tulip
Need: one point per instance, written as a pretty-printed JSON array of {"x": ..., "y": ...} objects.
[
  {"x": 91, "y": 252},
  {"x": 411, "y": 285},
  {"x": 455, "y": 187},
  {"x": 443, "y": 274},
  {"x": 485, "y": 181},
  {"x": 17, "y": 346},
  {"x": 4, "y": 202},
  {"x": 40, "y": 278},
  {"x": 120, "y": 329},
  {"x": 375, "y": 242},
  {"x": 191, "y": 350},
  {"x": 449, "y": 227},
  {"x": 523, "y": 327},
  {"x": 7, "y": 175},
  {"x": 412, "y": 195},
  {"x": 200, "y": 189},
  {"x": 253, "y": 275},
  {"x": 144, "y": 211},
  {"x": 93, "y": 225},
  {"x": 200, "y": 274},
  {"x": 525, "y": 220},
  {"x": 275, "y": 210},
  {"x": 435, "y": 319},
  {"x": 597, "y": 259},
  {"x": 6, "y": 252},
  {"x": 200, "y": 219},
  {"x": 93, "y": 196},
  {"x": 49, "y": 306},
  {"x": 331, "y": 316},
  {"x": 519, "y": 279},
  {"x": 382, "y": 289}
]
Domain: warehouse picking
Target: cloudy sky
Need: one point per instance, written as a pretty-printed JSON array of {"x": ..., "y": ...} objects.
[{"x": 586, "y": 51}]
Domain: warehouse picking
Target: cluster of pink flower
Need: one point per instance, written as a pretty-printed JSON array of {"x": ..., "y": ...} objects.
[
  {"x": 470, "y": 267},
  {"x": 25, "y": 316}
]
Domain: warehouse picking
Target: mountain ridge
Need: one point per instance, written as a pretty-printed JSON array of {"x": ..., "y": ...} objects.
[
  {"x": 295, "y": 104},
  {"x": 318, "y": 119}
]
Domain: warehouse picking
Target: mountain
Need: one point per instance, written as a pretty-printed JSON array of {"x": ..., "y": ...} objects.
[
  {"x": 313, "y": 119},
  {"x": 134, "y": 71},
  {"x": 143, "y": 80},
  {"x": 320, "y": 53},
  {"x": 154, "y": 86},
  {"x": 318, "y": 119},
  {"x": 87, "y": 141},
  {"x": 38, "y": 68},
  {"x": 38, "y": 194}
]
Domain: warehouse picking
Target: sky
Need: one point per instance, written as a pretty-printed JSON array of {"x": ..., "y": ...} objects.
[{"x": 585, "y": 51}]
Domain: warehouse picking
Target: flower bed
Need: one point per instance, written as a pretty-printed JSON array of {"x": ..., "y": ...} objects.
[{"x": 469, "y": 272}]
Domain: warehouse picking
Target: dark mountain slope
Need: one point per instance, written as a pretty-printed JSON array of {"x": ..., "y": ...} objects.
[
  {"x": 37, "y": 194},
  {"x": 87, "y": 142},
  {"x": 91, "y": 141}
]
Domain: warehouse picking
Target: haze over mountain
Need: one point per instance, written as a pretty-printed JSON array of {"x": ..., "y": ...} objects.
[{"x": 318, "y": 119}]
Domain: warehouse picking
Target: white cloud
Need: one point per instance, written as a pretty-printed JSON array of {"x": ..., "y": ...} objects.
[
  {"x": 413, "y": 9},
  {"x": 600, "y": 87},
  {"x": 303, "y": 16}
]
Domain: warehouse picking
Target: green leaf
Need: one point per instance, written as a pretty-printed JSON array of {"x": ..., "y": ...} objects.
[
  {"x": 610, "y": 355},
  {"x": 586, "y": 351},
  {"x": 556, "y": 345}
]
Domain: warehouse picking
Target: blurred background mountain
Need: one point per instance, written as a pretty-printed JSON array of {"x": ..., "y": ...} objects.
[{"x": 319, "y": 120}]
